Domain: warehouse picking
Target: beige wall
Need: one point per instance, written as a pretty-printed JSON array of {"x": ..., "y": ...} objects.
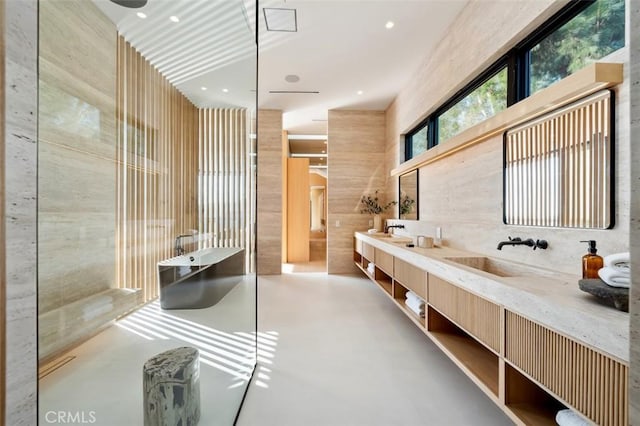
[
  {"x": 462, "y": 193},
  {"x": 356, "y": 167},
  {"x": 634, "y": 303},
  {"x": 269, "y": 192},
  {"x": 77, "y": 150}
]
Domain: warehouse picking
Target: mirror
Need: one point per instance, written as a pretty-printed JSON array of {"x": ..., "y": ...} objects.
[
  {"x": 558, "y": 169},
  {"x": 318, "y": 209},
  {"x": 408, "y": 198}
]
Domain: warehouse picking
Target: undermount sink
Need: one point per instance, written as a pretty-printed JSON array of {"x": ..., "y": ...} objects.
[
  {"x": 391, "y": 238},
  {"x": 500, "y": 268}
]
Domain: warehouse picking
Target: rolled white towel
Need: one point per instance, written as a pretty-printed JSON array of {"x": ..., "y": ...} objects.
[
  {"x": 618, "y": 261},
  {"x": 614, "y": 278},
  {"x": 417, "y": 307},
  {"x": 570, "y": 418},
  {"x": 412, "y": 296},
  {"x": 371, "y": 268}
]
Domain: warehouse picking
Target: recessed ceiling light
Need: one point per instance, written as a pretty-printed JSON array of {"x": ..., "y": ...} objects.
[
  {"x": 141, "y": 15},
  {"x": 203, "y": 88},
  {"x": 389, "y": 25},
  {"x": 325, "y": 142},
  {"x": 225, "y": 90},
  {"x": 360, "y": 92},
  {"x": 174, "y": 18}
]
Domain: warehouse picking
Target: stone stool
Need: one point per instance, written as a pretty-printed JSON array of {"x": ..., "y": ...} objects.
[{"x": 171, "y": 383}]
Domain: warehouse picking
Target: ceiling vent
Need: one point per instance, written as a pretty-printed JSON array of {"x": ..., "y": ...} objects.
[
  {"x": 280, "y": 19},
  {"x": 313, "y": 92}
]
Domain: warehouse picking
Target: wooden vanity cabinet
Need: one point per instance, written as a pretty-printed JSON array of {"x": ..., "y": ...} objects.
[
  {"x": 593, "y": 383},
  {"x": 411, "y": 277},
  {"x": 477, "y": 316},
  {"x": 530, "y": 371},
  {"x": 384, "y": 261},
  {"x": 368, "y": 252}
]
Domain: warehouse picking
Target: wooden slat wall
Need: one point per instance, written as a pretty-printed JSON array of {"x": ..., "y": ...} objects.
[
  {"x": 157, "y": 169},
  {"x": 227, "y": 186},
  {"x": 558, "y": 167},
  {"x": 476, "y": 315},
  {"x": 591, "y": 382}
]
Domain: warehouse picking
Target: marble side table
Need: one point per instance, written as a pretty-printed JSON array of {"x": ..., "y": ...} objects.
[{"x": 171, "y": 383}]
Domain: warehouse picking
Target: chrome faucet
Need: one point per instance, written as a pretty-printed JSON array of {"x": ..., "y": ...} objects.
[
  {"x": 386, "y": 228},
  {"x": 178, "y": 249},
  {"x": 542, "y": 244}
]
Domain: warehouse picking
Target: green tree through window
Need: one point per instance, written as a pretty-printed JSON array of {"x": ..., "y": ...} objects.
[
  {"x": 593, "y": 33},
  {"x": 484, "y": 102}
]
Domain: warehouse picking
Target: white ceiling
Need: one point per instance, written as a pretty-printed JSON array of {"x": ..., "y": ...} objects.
[{"x": 341, "y": 47}]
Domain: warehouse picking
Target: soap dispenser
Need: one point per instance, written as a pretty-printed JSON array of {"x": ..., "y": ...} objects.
[{"x": 591, "y": 262}]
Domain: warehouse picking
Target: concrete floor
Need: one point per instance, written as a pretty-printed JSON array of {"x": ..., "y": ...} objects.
[
  {"x": 333, "y": 350},
  {"x": 102, "y": 385},
  {"x": 346, "y": 355}
]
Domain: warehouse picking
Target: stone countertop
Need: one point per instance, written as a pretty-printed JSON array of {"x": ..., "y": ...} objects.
[{"x": 550, "y": 298}]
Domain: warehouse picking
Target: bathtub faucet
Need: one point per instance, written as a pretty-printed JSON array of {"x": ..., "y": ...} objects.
[{"x": 178, "y": 249}]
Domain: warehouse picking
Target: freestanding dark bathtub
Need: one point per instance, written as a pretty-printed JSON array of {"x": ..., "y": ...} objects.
[{"x": 199, "y": 279}]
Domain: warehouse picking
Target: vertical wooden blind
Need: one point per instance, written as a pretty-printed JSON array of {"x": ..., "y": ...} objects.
[
  {"x": 226, "y": 180},
  {"x": 180, "y": 170},
  {"x": 558, "y": 168},
  {"x": 157, "y": 170}
]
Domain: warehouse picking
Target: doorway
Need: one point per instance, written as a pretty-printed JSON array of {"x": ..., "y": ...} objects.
[{"x": 305, "y": 226}]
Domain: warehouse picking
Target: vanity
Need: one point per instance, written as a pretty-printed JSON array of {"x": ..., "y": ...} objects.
[{"x": 528, "y": 338}]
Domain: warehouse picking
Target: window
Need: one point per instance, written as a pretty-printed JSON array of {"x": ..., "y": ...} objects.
[
  {"x": 484, "y": 102},
  {"x": 590, "y": 35},
  {"x": 582, "y": 32},
  {"x": 417, "y": 141}
]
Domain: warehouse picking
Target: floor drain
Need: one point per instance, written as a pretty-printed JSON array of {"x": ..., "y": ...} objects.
[{"x": 53, "y": 366}]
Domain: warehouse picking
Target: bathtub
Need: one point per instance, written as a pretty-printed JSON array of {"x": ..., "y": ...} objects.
[{"x": 199, "y": 279}]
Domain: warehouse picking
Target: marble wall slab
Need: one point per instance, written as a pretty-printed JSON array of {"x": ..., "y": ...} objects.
[
  {"x": 77, "y": 153},
  {"x": 633, "y": 8},
  {"x": 20, "y": 91},
  {"x": 269, "y": 237},
  {"x": 356, "y": 160},
  {"x": 462, "y": 193}
]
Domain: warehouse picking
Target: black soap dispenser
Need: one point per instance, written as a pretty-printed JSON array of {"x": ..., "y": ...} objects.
[{"x": 591, "y": 262}]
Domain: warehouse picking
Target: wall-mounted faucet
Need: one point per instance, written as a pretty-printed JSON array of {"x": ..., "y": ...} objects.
[
  {"x": 178, "y": 249},
  {"x": 386, "y": 228},
  {"x": 542, "y": 244}
]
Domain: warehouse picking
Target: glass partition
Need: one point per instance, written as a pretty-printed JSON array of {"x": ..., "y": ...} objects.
[{"x": 146, "y": 210}]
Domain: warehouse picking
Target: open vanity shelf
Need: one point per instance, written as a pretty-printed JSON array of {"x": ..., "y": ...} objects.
[{"x": 530, "y": 371}]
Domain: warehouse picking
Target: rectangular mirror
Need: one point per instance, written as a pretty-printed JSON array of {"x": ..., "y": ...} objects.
[
  {"x": 408, "y": 200},
  {"x": 558, "y": 169}
]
